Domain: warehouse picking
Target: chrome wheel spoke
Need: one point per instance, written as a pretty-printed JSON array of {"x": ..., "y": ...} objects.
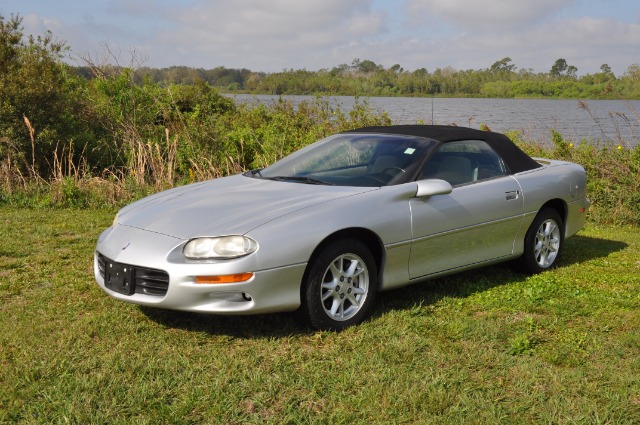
[
  {"x": 538, "y": 248},
  {"x": 335, "y": 306},
  {"x": 330, "y": 286},
  {"x": 345, "y": 287},
  {"x": 358, "y": 291},
  {"x": 326, "y": 295},
  {"x": 352, "y": 299},
  {"x": 335, "y": 269},
  {"x": 352, "y": 268},
  {"x": 547, "y": 243},
  {"x": 543, "y": 259}
]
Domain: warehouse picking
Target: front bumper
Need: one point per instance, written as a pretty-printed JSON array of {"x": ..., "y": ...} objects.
[{"x": 271, "y": 289}]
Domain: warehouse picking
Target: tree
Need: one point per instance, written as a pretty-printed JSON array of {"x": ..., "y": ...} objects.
[
  {"x": 562, "y": 69},
  {"x": 503, "y": 65},
  {"x": 633, "y": 72},
  {"x": 366, "y": 66},
  {"x": 339, "y": 70},
  {"x": 559, "y": 68},
  {"x": 606, "y": 69},
  {"x": 39, "y": 98},
  {"x": 397, "y": 69}
]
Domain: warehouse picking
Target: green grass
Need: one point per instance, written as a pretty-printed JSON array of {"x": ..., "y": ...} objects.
[{"x": 488, "y": 346}]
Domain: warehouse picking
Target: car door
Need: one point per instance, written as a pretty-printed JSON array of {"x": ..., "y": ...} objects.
[{"x": 477, "y": 222}]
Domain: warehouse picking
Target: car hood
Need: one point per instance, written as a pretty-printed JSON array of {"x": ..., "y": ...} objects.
[{"x": 224, "y": 206}]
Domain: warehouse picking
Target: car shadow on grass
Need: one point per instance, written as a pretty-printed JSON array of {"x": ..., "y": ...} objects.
[
  {"x": 577, "y": 250},
  {"x": 274, "y": 325}
]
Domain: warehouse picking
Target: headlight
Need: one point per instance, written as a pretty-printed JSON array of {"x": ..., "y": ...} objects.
[{"x": 221, "y": 247}]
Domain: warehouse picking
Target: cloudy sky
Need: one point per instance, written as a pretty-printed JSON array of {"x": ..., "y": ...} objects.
[{"x": 272, "y": 35}]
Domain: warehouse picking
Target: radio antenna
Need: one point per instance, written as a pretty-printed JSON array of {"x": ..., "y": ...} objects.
[{"x": 432, "y": 96}]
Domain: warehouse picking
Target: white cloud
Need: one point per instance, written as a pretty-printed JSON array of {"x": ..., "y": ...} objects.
[
  {"x": 488, "y": 13},
  {"x": 289, "y": 19},
  {"x": 270, "y": 35},
  {"x": 584, "y": 42},
  {"x": 313, "y": 34},
  {"x": 37, "y": 25},
  {"x": 138, "y": 8}
]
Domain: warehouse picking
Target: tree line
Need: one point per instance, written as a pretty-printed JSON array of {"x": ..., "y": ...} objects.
[{"x": 366, "y": 78}]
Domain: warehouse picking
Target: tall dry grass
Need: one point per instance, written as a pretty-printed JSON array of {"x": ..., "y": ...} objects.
[
  {"x": 253, "y": 137},
  {"x": 197, "y": 148}
]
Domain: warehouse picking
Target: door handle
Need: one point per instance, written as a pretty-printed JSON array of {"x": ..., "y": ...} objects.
[{"x": 514, "y": 194}]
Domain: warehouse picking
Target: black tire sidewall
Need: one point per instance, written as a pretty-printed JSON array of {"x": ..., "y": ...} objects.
[{"x": 312, "y": 307}]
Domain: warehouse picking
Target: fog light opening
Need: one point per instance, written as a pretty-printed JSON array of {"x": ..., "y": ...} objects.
[{"x": 246, "y": 296}]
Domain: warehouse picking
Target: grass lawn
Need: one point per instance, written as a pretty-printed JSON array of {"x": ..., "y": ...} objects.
[{"x": 487, "y": 346}]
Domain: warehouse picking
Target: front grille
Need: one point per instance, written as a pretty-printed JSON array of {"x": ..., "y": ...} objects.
[
  {"x": 151, "y": 282},
  {"x": 147, "y": 281}
]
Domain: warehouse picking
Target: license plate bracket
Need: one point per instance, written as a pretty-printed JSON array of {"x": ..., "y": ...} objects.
[{"x": 120, "y": 278}]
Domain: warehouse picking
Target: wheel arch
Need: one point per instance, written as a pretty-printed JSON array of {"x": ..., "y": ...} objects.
[
  {"x": 560, "y": 207},
  {"x": 366, "y": 236}
]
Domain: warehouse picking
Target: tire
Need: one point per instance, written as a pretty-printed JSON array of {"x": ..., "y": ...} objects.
[
  {"x": 340, "y": 286},
  {"x": 543, "y": 242}
]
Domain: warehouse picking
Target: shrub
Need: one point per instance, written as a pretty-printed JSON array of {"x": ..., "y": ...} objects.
[{"x": 613, "y": 182}]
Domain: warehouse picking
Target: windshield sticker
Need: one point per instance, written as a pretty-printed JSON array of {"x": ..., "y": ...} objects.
[{"x": 409, "y": 151}]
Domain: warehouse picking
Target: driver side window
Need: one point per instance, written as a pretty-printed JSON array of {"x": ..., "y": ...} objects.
[{"x": 463, "y": 162}]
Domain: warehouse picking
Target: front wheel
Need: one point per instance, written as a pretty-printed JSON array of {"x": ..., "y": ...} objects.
[
  {"x": 340, "y": 286},
  {"x": 543, "y": 242}
]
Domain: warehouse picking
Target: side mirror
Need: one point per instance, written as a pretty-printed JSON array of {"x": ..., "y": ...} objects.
[{"x": 431, "y": 187}]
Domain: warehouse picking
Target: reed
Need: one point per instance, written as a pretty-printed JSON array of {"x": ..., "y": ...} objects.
[{"x": 207, "y": 147}]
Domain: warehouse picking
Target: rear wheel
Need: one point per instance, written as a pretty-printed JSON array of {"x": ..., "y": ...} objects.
[
  {"x": 340, "y": 286},
  {"x": 543, "y": 242}
]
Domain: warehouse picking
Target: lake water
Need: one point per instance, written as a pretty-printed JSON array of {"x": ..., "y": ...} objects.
[{"x": 603, "y": 121}]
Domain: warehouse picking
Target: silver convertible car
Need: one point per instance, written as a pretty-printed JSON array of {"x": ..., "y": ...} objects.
[{"x": 327, "y": 227}]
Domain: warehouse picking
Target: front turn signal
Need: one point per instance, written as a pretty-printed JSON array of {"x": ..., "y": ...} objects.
[{"x": 227, "y": 278}]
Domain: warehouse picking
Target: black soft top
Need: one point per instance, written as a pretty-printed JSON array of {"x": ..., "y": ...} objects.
[{"x": 515, "y": 159}]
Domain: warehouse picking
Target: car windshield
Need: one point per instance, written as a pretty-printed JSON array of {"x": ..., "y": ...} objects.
[{"x": 353, "y": 159}]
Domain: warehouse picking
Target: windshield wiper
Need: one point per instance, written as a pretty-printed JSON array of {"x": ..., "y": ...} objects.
[
  {"x": 254, "y": 173},
  {"x": 301, "y": 179}
]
